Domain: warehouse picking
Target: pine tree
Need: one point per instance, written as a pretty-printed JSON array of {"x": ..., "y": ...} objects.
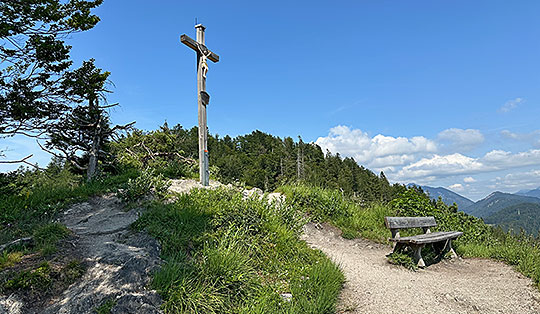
[{"x": 82, "y": 133}]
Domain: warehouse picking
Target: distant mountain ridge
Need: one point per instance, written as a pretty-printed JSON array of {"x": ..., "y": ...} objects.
[
  {"x": 532, "y": 193},
  {"x": 496, "y": 202},
  {"x": 447, "y": 196}
]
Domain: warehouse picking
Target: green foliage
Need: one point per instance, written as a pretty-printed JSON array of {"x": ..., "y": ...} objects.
[
  {"x": 82, "y": 133},
  {"x": 42, "y": 278},
  {"x": 9, "y": 259},
  {"x": 34, "y": 58},
  {"x": 37, "y": 279},
  {"x": 257, "y": 159},
  {"x": 47, "y": 236},
  {"x": 72, "y": 271},
  {"x": 321, "y": 204},
  {"x": 413, "y": 203},
  {"x": 160, "y": 150},
  {"x": 144, "y": 186},
  {"x": 106, "y": 307},
  {"x": 514, "y": 218},
  {"x": 226, "y": 254},
  {"x": 402, "y": 259}
]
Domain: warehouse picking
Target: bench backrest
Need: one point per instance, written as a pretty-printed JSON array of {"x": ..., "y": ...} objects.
[{"x": 409, "y": 222}]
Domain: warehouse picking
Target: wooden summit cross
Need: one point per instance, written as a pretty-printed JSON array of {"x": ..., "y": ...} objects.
[{"x": 203, "y": 97}]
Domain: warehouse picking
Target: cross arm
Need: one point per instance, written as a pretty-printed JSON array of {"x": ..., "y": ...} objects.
[{"x": 186, "y": 40}]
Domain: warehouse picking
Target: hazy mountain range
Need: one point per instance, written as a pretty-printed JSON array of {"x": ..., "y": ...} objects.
[{"x": 510, "y": 211}]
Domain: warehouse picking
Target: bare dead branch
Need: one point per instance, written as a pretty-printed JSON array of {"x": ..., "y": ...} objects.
[{"x": 16, "y": 161}]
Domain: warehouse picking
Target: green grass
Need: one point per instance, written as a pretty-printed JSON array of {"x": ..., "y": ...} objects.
[
  {"x": 9, "y": 259},
  {"x": 106, "y": 307},
  {"x": 47, "y": 236},
  {"x": 228, "y": 255},
  {"x": 325, "y": 205},
  {"x": 38, "y": 279},
  {"x": 39, "y": 203},
  {"x": 41, "y": 278}
]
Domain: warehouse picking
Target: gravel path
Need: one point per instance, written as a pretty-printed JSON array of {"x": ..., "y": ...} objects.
[{"x": 456, "y": 286}]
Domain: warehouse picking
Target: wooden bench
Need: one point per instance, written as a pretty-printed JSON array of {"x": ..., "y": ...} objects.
[{"x": 441, "y": 241}]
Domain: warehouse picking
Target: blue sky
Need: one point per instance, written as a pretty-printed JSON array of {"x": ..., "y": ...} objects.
[{"x": 443, "y": 93}]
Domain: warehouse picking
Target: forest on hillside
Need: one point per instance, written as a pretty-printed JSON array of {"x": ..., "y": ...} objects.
[{"x": 257, "y": 159}]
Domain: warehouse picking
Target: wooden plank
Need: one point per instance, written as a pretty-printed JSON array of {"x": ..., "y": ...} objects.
[
  {"x": 429, "y": 237},
  {"x": 186, "y": 40},
  {"x": 439, "y": 238},
  {"x": 409, "y": 222}
]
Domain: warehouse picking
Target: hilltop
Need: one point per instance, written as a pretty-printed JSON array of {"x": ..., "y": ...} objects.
[
  {"x": 497, "y": 201},
  {"x": 447, "y": 196},
  {"x": 236, "y": 247}
]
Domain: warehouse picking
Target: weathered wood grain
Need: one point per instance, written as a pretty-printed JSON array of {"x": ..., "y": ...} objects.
[
  {"x": 428, "y": 237},
  {"x": 409, "y": 222},
  {"x": 188, "y": 41}
]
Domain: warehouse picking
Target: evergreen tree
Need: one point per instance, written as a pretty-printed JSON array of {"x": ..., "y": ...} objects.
[
  {"x": 34, "y": 58},
  {"x": 82, "y": 133}
]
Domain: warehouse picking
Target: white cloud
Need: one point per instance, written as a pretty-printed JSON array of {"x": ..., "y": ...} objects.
[
  {"x": 428, "y": 161},
  {"x": 456, "y": 187},
  {"x": 379, "y": 151},
  {"x": 510, "y": 105},
  {"x": 510, "y": 135},
  {"x": 519, "y": 180},
  {"x": 460, "y": 139},
  {"x": 502, "y": 159},
  {"x": 456, "y": 164},
  {"x": 469, "y": 180},
  {"x": 532, "y": 138},
  {"x": 440, "y": 166}
]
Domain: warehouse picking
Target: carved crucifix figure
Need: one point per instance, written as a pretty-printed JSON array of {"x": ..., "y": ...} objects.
[{"x": 203, "y": 54}]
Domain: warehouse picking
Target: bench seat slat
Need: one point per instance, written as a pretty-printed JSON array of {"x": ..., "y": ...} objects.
[
  {"x": 409, "y": 222},
  {"x": 428, "y": 237}
]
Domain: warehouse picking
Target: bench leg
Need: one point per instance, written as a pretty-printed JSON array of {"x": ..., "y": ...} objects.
[
  {"x": 452, "y": 252},
  {"x": 398, "y": 247},
  {"x": 418, "y": 255}
]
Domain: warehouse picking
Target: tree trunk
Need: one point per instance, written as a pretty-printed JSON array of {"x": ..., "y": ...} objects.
[{"x": 96, "y": 143}]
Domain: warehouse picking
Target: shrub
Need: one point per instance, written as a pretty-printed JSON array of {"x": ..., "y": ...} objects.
[{"x": 144, "y": 186}]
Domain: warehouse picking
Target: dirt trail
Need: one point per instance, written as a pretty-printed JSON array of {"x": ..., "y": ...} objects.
[
  {"x": 456, "y": 286},
  {"x": 119, "y": 261}
]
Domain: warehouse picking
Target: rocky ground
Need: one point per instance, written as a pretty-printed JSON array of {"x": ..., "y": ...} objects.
[
  {"x": 452, "y": 286},
  {"x": 119, "y": 261}
]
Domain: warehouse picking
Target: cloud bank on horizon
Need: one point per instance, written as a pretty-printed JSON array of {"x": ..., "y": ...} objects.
[{"x": 446, "y": 160}]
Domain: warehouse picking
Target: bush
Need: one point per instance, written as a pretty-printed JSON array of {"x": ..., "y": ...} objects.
[{"x": 146, "y": 185}]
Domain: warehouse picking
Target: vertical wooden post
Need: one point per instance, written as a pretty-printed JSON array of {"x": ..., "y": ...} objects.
[
  {"x": 203, "y": 131},
  {"x": 203, "y": 53}
]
